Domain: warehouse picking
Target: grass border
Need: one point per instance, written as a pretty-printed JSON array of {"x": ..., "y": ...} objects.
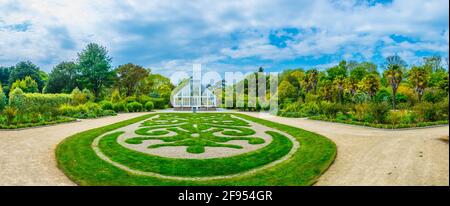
[
  {"x": 79, "y": 162},
  {"x": 382, "y": 126}
]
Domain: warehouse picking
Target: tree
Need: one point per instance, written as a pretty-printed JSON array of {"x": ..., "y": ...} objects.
[
  {"x": 339, "y": 82},
  {"x": 351, "y": 85},
  {"x": 311, "y": 79},
  {"x": 62, "y": 78},
  {"x": 27, "y": 85},
  {"x": 95, "y": 68},
  {"x": 3, "y": 99},
  {"x": 285, "y": 90},
  {"x": 130, "y": 76},
  {"x": 4, "y": 74},
  {"x": 337, "y": 71},
  {"x": 370, "y": 84},
  {"x": 394, "y": 76},
  {"x": 418, "y": 77},
  {"x": 433, "y": 63},
  {"x": 23, "y": 69}
]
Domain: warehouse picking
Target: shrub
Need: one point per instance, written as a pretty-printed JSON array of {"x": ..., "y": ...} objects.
[
  {"x": 119, "y": 107},
  {"x": 426, "y": 111},
  {"x": 10, "y": 113},
  {"x": 106, "y": 105},
  {"x": 115, "y": 96},
  {"x": 379, "y": 111},
  {"x": 330, "y": 109},
  {"x": 17, "y": 99},
  {"x": 130, "y": 99},
  {"x": 78, "y": 97},
  {"x": 143, "y": 99},
  {"x": 293, "y": 107},
  {"x": 134, "y": 107},
  {"x": 88, "y": 110},
  {"x": 159, "y": 103},
  {"x": 149, "y": 106},
  {"x": 310, "y": 109},
  {"x": 361, "y": 111},
  {"x": 3, "y": 99},
  {"x": 434, "y": 95},
  {"x": 45, "y": 103}
]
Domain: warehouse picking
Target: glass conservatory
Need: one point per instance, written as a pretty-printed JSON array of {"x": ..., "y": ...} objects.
[{"x": 192, "y": 95}]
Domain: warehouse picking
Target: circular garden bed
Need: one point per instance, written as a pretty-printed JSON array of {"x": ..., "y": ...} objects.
[{"x": 195, "y": 149}]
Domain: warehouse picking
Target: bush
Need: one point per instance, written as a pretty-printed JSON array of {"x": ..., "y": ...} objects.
[
  {"x": 88, "y": 110},
  {"x": 149, "y": 106},
  {"x": 3, "y": 99},
  {"x": 379, "y": 111},
  {"x": 361, "y": 111},
  {"x": 130, "y": 99},
  {"x": 134, "y": 107},
  {"x": 78, "y": 97},
  {"x": 330, "y": 109},
  {"x": 310, "y": 109},
  {"x": 106, "y": 105},
  {"x": 143, "y": 99},
  {"x": 17, "y": 99},
  {"x": 427, "y": 111},
  {"x": 115, "y": 96},
  {"x": 45, "y": 103},
  {"x": 10, "y": 113},
  {"x": 159, "y": 103},
  {"x": 119, "y": 107},
  {"x": 434, "y": 95},
  {"x": 293, "y": 107}
]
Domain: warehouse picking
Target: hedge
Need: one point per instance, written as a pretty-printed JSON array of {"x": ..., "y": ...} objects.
[{"x": 37, "y": 102}]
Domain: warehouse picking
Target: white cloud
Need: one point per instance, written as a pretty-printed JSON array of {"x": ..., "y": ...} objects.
[{"x": 199, "y": 31}]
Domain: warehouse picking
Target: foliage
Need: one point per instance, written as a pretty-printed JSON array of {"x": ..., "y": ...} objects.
[
  {"x": 394, "y": 76},
  {"x": 134, "y": 107},
  {"x": 95, "y": 68},
  {"x": 63, "y": 78},
  {"x": 10, "y": 113},
  {"x": 24, "y": 69},
  {"x": 82, "y": 111},
  {"x": 130, "y": 77},
  {"x": 3, "y": 99},
  {"x": 27, "y": 85},
  {"x": 418, "y": 77},
  {"x": 379, "y": 111},
  {"x": 106, "y": 105},
  {"x": 17, "y": 99},
  {"x": 120, "y": 107},
  {"x": 115, "y": 96},
  {"x": 159, "y": 103},
  {"x": 149, "y": 106}
]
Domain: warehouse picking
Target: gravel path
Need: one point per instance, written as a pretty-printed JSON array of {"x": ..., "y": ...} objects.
[
  {"x": 368, "y": 156},
  {"x": 27, "y": 156}
]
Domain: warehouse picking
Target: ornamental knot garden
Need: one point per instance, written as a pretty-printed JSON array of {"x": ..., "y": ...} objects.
[{"x": 197, "y": 144}]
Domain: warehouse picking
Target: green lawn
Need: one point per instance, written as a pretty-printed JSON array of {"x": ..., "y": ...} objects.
[{"x": 80, "y": 163}]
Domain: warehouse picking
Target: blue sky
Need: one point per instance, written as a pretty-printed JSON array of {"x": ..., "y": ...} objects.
[{"x": 169, "y": 36}]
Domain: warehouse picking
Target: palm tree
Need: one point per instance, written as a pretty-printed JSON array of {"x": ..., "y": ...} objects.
[
  {"x": 370, "y": 84},
  {"x": 351, "y": 84},
  {"x": 339, "y": 83},
  {"x": 394, "y": 76},
  {"x": 418, "y": 77},
  {"x": 312, "y": 76}
]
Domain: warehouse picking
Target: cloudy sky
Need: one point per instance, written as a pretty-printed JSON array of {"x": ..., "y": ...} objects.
[{"x": 171, "y": 35}]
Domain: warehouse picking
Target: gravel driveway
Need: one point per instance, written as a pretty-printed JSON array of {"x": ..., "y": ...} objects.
[{"x": 368, "y": 156}]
